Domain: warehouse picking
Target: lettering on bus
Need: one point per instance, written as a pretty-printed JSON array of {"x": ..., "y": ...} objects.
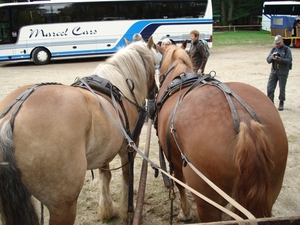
[{"x": 76, "y": 31}]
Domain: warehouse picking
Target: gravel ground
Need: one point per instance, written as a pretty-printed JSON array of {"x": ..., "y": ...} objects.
[{"x": 244, "y": 64}]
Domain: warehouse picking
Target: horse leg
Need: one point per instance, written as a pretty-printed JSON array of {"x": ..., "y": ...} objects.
[
  {"x": 125, "y": 186},
  {"x": 207, "y": 212},
  {"x": 106, "y": 209},
  {"x": 185, "y": 207},
  {"x": 64, "y": 215}
]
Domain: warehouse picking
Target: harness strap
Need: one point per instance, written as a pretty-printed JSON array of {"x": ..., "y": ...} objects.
[
  {"x": 20, "y": 100},
  {"x": 98, "y": 84},
  {"x": 181, "y": 81},
  {"x": 168, "y": 182},
  {"x": 228, "y": 93}
]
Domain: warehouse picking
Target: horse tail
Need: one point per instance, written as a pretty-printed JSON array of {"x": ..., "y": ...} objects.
[
  {"x": 16, "y": 206},
  {"x": 253, "y": 160}
]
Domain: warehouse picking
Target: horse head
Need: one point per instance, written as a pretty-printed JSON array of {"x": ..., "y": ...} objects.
[{"x": 175, "y": 61}]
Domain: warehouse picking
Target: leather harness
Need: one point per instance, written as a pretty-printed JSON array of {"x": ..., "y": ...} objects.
[
  {"x": 110, "y": 92},
  {"x": 100, "y": 85},
  {"x": 193, "y": 80}
]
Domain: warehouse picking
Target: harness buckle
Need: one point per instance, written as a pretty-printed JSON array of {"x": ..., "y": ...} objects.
[
  {"x": 172, "y": 195},
  {"x": 130, "y": 146}
]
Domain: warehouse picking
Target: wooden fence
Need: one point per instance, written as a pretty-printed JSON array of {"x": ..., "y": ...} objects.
[{"x": 237, "y": 27}]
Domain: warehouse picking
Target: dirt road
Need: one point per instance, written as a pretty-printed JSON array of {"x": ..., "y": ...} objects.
[{"x": 244, "y": 64}]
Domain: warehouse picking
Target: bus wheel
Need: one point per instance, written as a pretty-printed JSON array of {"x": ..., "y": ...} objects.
[
  {"x": 41, "y": 56},
  {"x": 287, "y": 42}
]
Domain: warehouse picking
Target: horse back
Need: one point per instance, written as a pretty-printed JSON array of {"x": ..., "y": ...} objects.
[
  {"x": 68, "y": 122},
  {"x": 206, "y": 133}
]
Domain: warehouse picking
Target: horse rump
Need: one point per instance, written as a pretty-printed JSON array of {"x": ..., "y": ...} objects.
[{"x": 16, "y": 206}]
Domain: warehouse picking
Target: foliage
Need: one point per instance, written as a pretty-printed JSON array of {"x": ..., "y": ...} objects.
[
  {"x": 242, "y": 38},
  {"x": 243, "y": 11}
]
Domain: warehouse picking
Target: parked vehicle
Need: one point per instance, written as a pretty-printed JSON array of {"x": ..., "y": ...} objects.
[{"x": 288, "y": 27}]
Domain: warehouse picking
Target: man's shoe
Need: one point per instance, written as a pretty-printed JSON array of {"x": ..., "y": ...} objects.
[{"x": 280, "y": 107}]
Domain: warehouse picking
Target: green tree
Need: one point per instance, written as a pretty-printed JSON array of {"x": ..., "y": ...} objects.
[{"x": 242, "y": 12}]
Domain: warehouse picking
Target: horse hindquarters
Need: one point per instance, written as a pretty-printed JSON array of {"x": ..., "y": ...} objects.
[
  {"x": 253, "y": 159},
  {"x": 15, "y": 201}
]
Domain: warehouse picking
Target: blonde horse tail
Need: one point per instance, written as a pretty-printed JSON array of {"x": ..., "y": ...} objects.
[
  {"x": 15, "y": 201},
  {"x": 253, "y": 160}
]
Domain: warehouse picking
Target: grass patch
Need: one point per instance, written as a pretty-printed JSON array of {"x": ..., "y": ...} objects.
[{"x": 242, "y": 38}]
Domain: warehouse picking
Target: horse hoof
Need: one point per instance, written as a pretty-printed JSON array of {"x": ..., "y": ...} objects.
[
  {"x": 108, "y": 212},
  {"x": 183, "y": 217}
]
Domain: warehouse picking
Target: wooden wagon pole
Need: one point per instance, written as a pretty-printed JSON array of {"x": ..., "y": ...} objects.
[
  {"x": 294, "y": 220},
  {"x": 143, "y": 178}
]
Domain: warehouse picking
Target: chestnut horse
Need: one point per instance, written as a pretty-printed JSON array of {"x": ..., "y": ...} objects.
[
  {"x": 51, "y": 134},
  {"x": 231, "y": 132}
]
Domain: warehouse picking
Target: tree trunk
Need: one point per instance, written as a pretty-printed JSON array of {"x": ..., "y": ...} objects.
[
  {"x": 223, "y": 13},
  {"x": 230, "y": 9}
]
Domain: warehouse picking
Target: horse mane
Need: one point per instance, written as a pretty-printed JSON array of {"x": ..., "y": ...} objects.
[
  {"x": 177, "y": 57},
  {"x": 135, "y": 61}
]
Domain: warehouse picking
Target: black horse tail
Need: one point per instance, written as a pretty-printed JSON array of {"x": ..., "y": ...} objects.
[
  {"x": 16, "y": 207},
  {"x": 253, "y": 160}
]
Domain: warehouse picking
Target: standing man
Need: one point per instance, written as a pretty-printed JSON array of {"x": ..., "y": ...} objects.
[
  {"x": 281, "y": 58},
  {"x": 197, "y": 53}
]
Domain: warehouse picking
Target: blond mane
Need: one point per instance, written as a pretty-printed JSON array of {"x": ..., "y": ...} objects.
[
  {"x": 135, "y": 61},
  {"x": 177, "y": 57}
]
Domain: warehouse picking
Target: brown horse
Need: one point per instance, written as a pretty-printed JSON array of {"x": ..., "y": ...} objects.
[
  {"x": 58, "y": 132},
  {"x": 231, "y": 132}
]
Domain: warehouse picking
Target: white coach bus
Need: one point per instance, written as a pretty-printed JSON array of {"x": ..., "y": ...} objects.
[
  {"x": 42, "y": 31},
  {"x": 278, "y": 8}
]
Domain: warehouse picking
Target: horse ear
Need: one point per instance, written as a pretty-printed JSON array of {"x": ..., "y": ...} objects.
[
  {"x": 183, "y": 45},
  {"x": 150, "y": 42},
  {"x": 126, "y": 41},
  {"x": 160, "y": 49}
]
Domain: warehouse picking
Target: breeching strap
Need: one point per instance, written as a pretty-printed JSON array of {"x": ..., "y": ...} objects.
[{"x": 20, "y": 100}]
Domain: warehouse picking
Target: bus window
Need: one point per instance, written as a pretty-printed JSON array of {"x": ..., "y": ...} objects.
[
  {"x": 4, "y": 26},
  {"x": 104, "y": 11},
  {"x": 282, "y": 9},
  {"x": 4, "y": 33},
  {"x": 26, "y": 15},
  {"x": 133, "y": 10},
  {"x": 62, "y": 13},
  {"x": 192, "y": 10}
]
